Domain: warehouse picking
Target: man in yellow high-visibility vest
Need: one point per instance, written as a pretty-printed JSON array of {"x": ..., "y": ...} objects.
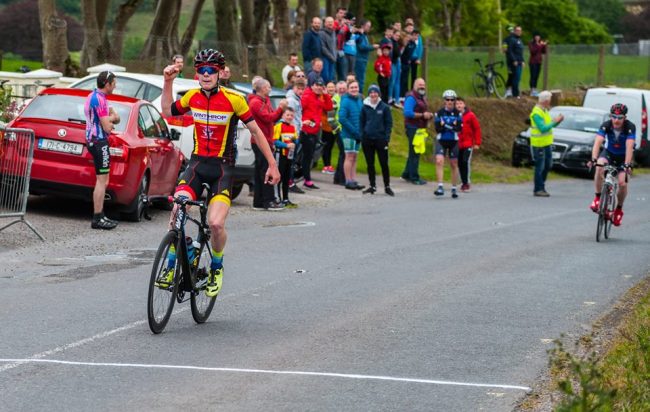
[{"x": 541, "y": 141}]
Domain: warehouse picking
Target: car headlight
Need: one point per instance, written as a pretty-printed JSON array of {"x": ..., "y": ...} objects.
[
  {"x": 580, "y": 148},
  {"x": 521, "y": 140}
]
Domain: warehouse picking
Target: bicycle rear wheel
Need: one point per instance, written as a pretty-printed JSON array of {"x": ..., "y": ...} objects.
[
  {"x": 478, "y": 83},
  {"x": 162, "y": 290},
  {"x": 602, "y": 214},
  {"x": 201, "y": 304},
  {"x": 499, "y": 86}
]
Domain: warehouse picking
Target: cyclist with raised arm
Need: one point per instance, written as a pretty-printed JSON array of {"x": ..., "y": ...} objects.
[
  {"x": 618, "y": 136},
  {"x": 216, "y": 112}
]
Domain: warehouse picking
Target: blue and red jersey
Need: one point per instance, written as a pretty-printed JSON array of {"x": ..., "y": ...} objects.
[
  {"x": 615, "y": 139},
  {"x": 95, "y": 108}
]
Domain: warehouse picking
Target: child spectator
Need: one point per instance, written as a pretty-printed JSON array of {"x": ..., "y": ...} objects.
[
  {"x": 383, "y": 70},
  {"x": 285, "y": 137}
]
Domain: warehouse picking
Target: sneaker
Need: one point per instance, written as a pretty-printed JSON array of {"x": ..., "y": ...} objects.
[
  {"x": 508, "y": 92},
  {"x": 165, "y": 279},
  {"x": 464, "y": 187},
  {"x": 419, "y": 182},
  {"x": 215, "y": 280},
  {"x": 440, "y": 191},
  {"x": 541, "y": 193},
  {"x": 328, "y": 170},
  {"x": 273, "y": 206},
  {"x": 618, "y": 216},
  {"x": 454, "y": 194},
  {"x": 371, "y": 190},
  {"x": 295, "y": 189},
  {"x": 310, "y": 185},
  {"x": 389, "y": 191},
  {"x": 288, "y": 204},
  {"x": 357, "y": 186},
  {"x": 351, "y": 186},
  {"x": 595, "y": 204},
  {"x": 104, "y": 223}
]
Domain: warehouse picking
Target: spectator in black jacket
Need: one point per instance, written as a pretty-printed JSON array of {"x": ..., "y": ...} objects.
[
  {"x": 514, "y": 60},
  {"x": 376, "y": 126},
  {"x": 405, "y": 58},
  {"x": 311, "y": 44}
]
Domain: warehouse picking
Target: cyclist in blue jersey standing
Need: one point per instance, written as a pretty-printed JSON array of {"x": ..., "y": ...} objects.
[
  {"x": 448, "y": 123},
  {"x": 100, "y": 121},
  {"x": 618, "y": 136}
]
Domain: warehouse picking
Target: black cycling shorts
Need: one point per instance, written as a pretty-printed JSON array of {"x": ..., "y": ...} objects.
[
  {"x": 213, "y": 171},
  {"x": 447, "y": 146},
  {"x": 613, "y": 159},
  {"x": 98, "y": 149}
]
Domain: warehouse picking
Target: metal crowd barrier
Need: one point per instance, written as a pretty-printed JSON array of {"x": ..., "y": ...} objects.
[{"x": 16, "y": 155}]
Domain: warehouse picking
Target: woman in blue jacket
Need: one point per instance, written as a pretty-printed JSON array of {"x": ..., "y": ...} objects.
[{"x": 349, "y": 117}]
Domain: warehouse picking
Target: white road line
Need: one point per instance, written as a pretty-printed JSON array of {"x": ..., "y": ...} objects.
[{"x": 266, "y": 371}]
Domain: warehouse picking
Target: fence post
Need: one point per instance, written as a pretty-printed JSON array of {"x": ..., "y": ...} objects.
[
  {"x": 600, "y": 76},
  {"x": 545, "y": 63},
  {"x": 491, "y": 53}
]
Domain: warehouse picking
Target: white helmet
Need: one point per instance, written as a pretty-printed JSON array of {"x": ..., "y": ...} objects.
[{"x": 449, "y": 94}]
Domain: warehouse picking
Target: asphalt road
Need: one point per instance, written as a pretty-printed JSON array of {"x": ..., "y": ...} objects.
[{"x": 347, "y": 303}]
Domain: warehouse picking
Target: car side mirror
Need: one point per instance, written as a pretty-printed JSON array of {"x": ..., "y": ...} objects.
[{"x": 175, "y": 134}]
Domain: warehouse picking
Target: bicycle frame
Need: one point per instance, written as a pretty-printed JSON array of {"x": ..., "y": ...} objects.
[{"x": 182, "y": 217}]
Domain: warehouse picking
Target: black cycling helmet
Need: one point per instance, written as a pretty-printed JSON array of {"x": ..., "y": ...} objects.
[
  {"x": 618, "y": 109},
  {"x": 210, "y": 56}
]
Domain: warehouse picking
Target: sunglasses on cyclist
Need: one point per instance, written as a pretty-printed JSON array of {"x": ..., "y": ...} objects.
[
  {"x": 617, "y": 116},
  {"x": 450, "y": 100},
  {"x": 207, "y": 70}
]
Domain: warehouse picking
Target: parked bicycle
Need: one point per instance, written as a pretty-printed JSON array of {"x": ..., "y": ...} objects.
[
  {"x": 487, "y": 81},
  {"x": 608, "y": 200},
  {"x": 185, "y": 276}
]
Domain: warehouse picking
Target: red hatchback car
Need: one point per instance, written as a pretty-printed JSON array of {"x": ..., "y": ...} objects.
[{"x": 144, "y": 161}]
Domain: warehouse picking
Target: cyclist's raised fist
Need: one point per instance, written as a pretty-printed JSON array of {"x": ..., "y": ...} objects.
[{"x": 170, "y": 72}]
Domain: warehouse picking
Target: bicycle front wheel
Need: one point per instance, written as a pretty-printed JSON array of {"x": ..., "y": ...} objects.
[
  {"x": 202, "y": 304},
  {"x": 602, "y": 214},
  {"x": 163, "y": 285},
  {"x": 499, "y": 86},
  {"x": 478, "y": 83},
  {"x": 610, "y": 206}
]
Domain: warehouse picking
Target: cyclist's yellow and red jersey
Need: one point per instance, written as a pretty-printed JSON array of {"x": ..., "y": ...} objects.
[{"x": 215, "y": 121}]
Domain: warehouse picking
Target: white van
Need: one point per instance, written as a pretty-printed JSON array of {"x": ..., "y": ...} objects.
[{"x": 637, "y": 101}]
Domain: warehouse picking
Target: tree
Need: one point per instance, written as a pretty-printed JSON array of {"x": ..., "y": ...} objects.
[
  {"x": 190, "y": 30},
  {"x": 257, "y": 60},
  {"x": 160, "y": 41},
  {"x": 557, "y": 20},
  {"x": 282, "y": 26},
  {"x": 95, "y": 47},
  {"x": 247, "y": 21},
  {"x": 607, "y": 12},
  {"x": 125, "y": 11},
  {"x": 227, "y": 32},
  {"x": 636, "y": 26},
  {"x": 53, "y": 32}
]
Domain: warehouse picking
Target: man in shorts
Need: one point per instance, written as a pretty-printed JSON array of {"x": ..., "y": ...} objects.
[
  {"x": 448, "y": 122},
  {"x": 618, "y": 135},
  {"x": 216, "y": 111},
  {"x": 100, "y": 121}
]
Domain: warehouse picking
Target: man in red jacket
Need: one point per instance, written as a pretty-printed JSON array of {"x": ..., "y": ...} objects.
[
  {"x": 468, "y": 139},
  {"x": 265, "y": 117},
  {"x": 313, "y": 108}
]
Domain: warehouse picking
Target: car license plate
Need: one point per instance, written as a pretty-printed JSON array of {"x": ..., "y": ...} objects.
[
  {"x": 556, "y": 155},
  {"x": 59, "y": 146}
]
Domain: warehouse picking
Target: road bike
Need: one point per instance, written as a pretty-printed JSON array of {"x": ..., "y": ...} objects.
[
  {"x": 608, "y": 200},
  {"x": 487, "y": 81},
  {"x": 186, "y": 276}
]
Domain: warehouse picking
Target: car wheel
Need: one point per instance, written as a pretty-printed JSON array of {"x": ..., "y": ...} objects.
[
  {"x": 135, "y": 210},
  {"x": 516, "y": 160}
]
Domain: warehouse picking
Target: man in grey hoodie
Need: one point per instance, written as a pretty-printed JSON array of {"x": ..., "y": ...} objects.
[{"x": 328, "y": 50}]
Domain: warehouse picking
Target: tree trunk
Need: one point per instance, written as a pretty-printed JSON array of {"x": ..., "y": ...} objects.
[
  {"x": 54, "y": 34},
  {"x": 299, "y": 28},
  {"x": 101, "y": 11},
  {"x": 446, "y": 19},
  {"x": 359, "y": 10},
  {"x": 125, "y": 11},
  {"x": 458, "y": 15},
  {"x": 190, "y": 30},
  {"x": 313, "y": 10},
  {"x": 257, "y": 55},
  {"x": 92, "y": 36},
  {"x": 283, "y": 27},
  {"x": 172, "y": 34},
  {"x": 166, "y": 11},
  {"x": 247, "y": 22},
  {"x": 411, "y": 10},
  {"x": 227, "y": 31}
]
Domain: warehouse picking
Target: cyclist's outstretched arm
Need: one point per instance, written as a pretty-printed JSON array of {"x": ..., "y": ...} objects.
[
  {"x": 598, "y": 142},
  {"x": 166, "y": 99}
]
